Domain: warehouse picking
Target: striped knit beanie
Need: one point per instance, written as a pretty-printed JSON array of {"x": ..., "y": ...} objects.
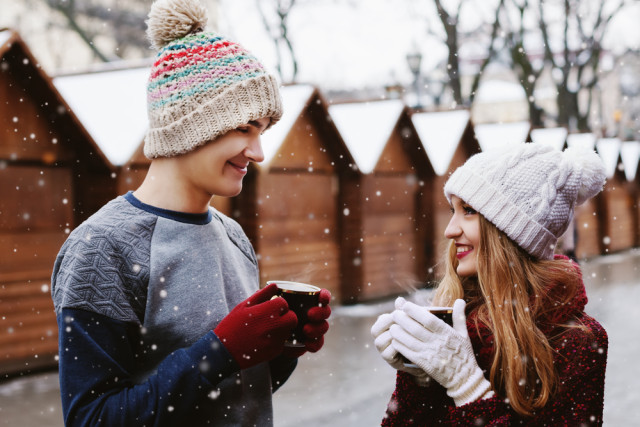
[
  {"x": 529, "y": 191},
  {"x": 202, "y": 85}
]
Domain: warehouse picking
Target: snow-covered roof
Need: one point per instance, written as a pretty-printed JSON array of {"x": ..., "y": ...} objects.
[
  {"x": 586, "y": 140},
  {"x": 609, "y": 150},
  {"x": 112, "y": 106},
  {"x": 493, "y": 91},
  {"x": 294, "y": 99},
  {"x": 366, "y": 128},
  {"x": 440, "y": 134},
  {"x": 494, "y": 135},
  {"x": 630, "y": 153},
  {"x": 553, "y": 137},
  {"x": 4, "y": 36}
]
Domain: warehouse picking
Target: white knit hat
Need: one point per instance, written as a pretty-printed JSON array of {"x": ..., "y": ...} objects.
[{"x": 529, "y": 191}]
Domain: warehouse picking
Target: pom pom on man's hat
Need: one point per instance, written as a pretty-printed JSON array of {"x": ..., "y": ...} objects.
[{"x": 202, "y": 85}]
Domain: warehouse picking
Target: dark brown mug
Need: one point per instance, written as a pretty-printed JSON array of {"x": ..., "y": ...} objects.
[
  {"x": 443, "y": 313},
  {"x": 300, "y": 297}
]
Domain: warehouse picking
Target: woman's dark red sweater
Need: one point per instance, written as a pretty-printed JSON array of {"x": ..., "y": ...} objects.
[{"x": 580, "y": 360}]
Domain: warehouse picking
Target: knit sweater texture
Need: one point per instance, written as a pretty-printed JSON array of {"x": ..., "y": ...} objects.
[{"x": 580, "y": 359}]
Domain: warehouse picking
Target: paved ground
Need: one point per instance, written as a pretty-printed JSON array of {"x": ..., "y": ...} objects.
[{"x": 348, "y": 384}]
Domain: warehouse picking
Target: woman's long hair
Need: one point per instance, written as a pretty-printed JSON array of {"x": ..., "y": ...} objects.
[{"x": 510, "y": 297}]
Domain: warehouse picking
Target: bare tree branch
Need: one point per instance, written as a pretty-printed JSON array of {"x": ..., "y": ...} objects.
[{"x": 279, "y": 34}]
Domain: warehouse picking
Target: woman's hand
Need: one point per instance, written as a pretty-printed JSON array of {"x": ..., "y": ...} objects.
[
  {"x": 443, "y": 352},
  {"x": 382, "y": 341}
]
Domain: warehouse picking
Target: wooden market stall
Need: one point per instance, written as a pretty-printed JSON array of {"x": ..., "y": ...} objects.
[
  {"x": 289, "y": 206},
  {"x": 380, "y": 253},
  {"x": 617, "y": 206},
  {"x": 449, "y": 140},
  {"x": 630, "y": 155},
  {"x": 589, "y": 222},
  {"x": 52, "y": 177}
]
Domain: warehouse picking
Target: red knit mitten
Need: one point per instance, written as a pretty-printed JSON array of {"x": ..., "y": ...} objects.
[
  {"x": 316, "y": 328},
  {"x": 256, "y": 329}
]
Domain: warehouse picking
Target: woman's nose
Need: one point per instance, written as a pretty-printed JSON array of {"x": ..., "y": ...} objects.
[{"x": 453, "y": 230}]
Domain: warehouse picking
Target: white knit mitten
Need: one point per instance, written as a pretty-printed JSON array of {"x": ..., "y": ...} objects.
[
  {"x": 443, "y": 352},
  {"x": 382, "y": 341}
]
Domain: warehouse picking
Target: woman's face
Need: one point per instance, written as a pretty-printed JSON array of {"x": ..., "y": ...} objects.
[{"x": 464, "y": 230}]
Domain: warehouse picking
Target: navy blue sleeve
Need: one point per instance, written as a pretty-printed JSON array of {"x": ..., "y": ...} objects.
[
  {"x": 281, "y": 369},
  {"x": 97, "y": 362}
]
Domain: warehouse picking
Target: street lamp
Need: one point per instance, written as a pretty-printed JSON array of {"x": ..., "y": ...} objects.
[
  {"x": 436, "y": 84},
  {"x": 414, "y": 60}
]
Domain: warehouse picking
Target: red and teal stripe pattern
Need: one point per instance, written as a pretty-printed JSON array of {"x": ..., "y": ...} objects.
[{"x": 198, "y": 67}]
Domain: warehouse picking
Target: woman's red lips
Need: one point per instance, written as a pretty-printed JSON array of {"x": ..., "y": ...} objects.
[{"x": 463, "y": 250}]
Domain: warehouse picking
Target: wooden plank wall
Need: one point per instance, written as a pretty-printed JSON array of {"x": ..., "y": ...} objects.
[
  {"x": 388, "y": 248},
  {"x": 51, "y": 177},
  {"x": 36, "y": 217},
  {"x": 618, "y": 231},
  {"x": 588, "y": 228},
  {"x": 297, "y": 232},
  {"x": 426, "y": 231},
  {"x": 635, "y": 208}
]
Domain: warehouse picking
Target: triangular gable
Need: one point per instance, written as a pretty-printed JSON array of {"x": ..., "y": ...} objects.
[
  {"x": 440, "y": 134},
  {"x": 366, "y": 128},
  {"x": 44, "y": 92},
  {"x": 499, "y": 91},
  {"x": 399, "y": 154},
  {"x": 294, "y": 98},
  {"x": 553, "y": 137},
  {"x": 630, "y": 154},
  {"x": 112, "y": 106},
  {"x": 586, "y": 140},
  {"x": 609, "y": 151},
  {"x": 492, "y": 136}
]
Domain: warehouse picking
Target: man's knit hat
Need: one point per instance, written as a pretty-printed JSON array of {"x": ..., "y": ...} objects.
[
  {"x": 529, "y": 191},
  {"x": 202, "y": 85}
]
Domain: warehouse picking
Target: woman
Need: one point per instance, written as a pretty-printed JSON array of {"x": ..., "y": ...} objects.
[{"x": 521, "y": 349}]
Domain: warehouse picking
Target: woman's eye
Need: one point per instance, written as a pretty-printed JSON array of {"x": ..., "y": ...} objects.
[
  {"x": 243, "y": 130},
  {"x": 468, "y": 210}
]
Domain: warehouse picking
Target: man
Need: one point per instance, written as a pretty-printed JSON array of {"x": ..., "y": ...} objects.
[{"x": 145, "y": 289}]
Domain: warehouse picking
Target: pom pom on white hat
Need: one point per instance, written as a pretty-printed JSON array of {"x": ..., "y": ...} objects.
[{"x": 529, "y": 191}]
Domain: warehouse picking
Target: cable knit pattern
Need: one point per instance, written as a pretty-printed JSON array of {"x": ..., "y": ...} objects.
[
  {"x": 103, "y": 268},
  {"x": 528, "y": 191},
  {"x": 202, "y": 84},
  {"x": 445, "y": 353}
]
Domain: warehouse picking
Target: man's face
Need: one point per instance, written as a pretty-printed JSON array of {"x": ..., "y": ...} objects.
[{"x": 218, "y": 167}]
